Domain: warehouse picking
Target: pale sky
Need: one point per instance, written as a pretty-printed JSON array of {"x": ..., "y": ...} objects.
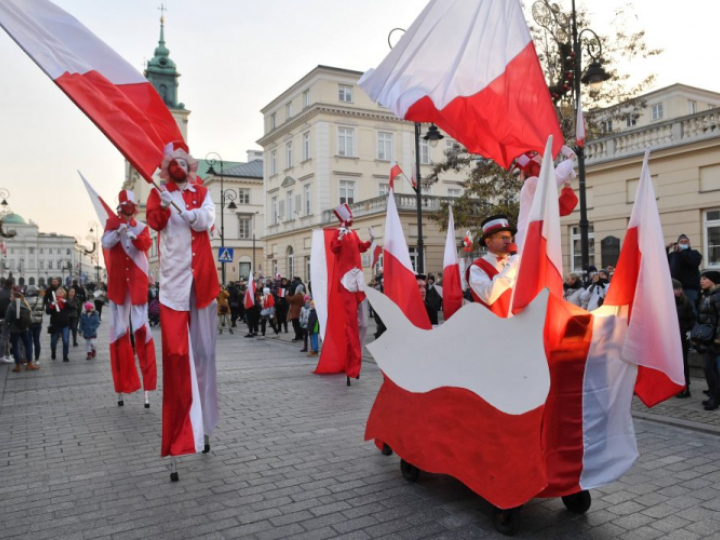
[{"x": 235, "y": 56}]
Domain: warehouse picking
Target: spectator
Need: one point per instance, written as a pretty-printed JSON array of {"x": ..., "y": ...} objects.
[
  {"x": 281, "y": 304},
  {"x": 54, "y": 285},
  {"x": 235, "y": 302},
  {"x": 431, "y": 311},
  {"x": 99, "y": 298},
  {"x": 223, "y": 309},
  {"x": 5, "y": 297},
  {"x": 708, "y": 314},
  {"x": 59, "y": 324},
  {"x": 594, "y": 296},
  {"x": 74, "y": 311},
  {"x": 685, "y": 267},
  {"x": 314, "y": 330},
  {"x": 304, "y": 315},
  {"x": 267, "y": 312},
  {"x": 573, "y": 289},
  {"x": 295, "y": 303},
  {"x": 36, "y": 303},
  {"x": 433, "y": 299},
  {"x": 686, "y": 317},
  {"x": 18, "y": 319},
  {"x": 79, "y": 291},
  {"x": 89, "y": 323},
  {"x": 252, "y": 315}
]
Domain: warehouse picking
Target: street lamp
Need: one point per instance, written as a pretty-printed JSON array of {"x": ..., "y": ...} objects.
[
  {"x": 94, "y": 237},
  {"x": 545, "y": 14},
  {"x": 212, "y": 161}
]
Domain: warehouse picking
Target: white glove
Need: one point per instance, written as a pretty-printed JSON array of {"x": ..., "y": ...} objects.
[
  {"x": 123, "y": 228},
  {"x": 343, "y": 232},
  {"x": 131, "y": 235},
  {"x": 165, "y": 198},
  {"x": 189, "y": 217},
  {"x": 568, "y": 153},
  {"x": 371, "y": 232}
]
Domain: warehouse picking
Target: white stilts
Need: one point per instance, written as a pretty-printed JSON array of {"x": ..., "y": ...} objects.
[
  {"x": 147, "y": 399},
  {"x": 173, "y": 470},
  {"x": 207, "y": 444},
  {"x": 120, "y": 400}
]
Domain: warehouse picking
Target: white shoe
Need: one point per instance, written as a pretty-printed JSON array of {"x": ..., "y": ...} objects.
[{"x": 7, "y": 360}]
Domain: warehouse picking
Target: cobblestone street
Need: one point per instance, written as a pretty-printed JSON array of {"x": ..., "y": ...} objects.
[{"x": 288, "y": 461}]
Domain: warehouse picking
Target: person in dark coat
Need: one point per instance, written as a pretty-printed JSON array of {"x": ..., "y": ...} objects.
[
  {"x": 686, "y": 317},
  {"x": 709, "y": 313},
  {"x": 429, "y": 304},
  {"x": 685, "y": 267},
  {"x": 59, "y": 312}
]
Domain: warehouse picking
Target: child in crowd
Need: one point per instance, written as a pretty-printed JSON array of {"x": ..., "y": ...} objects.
[
  {"x": 89, "y": 323},
  {"x": 313, "y": 327},
  {"x": 304, "y": 314}
]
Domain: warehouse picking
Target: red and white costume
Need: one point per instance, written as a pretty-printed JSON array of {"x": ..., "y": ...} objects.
[
  {"x": 491, "y": 279},
  {"x": 188, "y": 292},
  {"x": 126, "y": 242}
]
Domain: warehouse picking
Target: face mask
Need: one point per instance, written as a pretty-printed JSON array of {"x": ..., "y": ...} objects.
[{"x": 684, "y": 246}]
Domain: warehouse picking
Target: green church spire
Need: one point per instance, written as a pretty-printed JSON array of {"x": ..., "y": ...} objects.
[{"x": 162, "y": 72}]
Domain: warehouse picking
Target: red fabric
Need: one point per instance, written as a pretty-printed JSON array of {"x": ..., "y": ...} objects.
[
  {"x": 146, "y": 356},
  {"x": 122, "y": 362},
  {"x": 401, "y": 287},
  {"x": 132, "y": 116},
  {"x": 453, "y": 431},
  {"x": 543, "y": 272},
  {"x": 452, "y": 290},
  {"x": 206, "y": 283},
  {"x": 567, "y": 201},
  {"x": 353, "y": 349},
  {"x": 123, "y": 274},
  {"x": 177, "y": 431},
  {"x": 652, "y": 386},
  {"x": 510, "y": 116},
  {"x": 347, "y": 254},
  {"x": 250, "y": 295},
  {"x": 501, "y": 306},
  {"x": 268, "y": 301}
]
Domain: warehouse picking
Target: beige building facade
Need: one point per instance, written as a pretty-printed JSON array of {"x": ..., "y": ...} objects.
[
  {"x": 681, "y": 126},
  {"x": 326, "y": 143}
]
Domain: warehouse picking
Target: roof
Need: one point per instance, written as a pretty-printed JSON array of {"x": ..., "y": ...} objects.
[
  {"x": 251, "y": 169},
  {"x": 204, "y": 165},
  {"x": 13, "y": 219}
]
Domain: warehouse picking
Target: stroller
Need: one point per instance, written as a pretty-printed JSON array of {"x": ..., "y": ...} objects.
[{"x": 154, "y": 312}]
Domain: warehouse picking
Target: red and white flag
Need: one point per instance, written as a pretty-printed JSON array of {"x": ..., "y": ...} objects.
[
  {"x": 580, "y": 127},
  {"x": 452, "y": 282},
  {"x": 399, "y": 279},
  {"x": 250, "y": 292},
  {"x": 112, "y": 93},
  {"x": 470, "y": 67},
  {"x": 642, "y": 282},
  {"x": 375, "y": 251},
  {"x": 395, "y": 171},
  {"x": 541, "y": 263}
]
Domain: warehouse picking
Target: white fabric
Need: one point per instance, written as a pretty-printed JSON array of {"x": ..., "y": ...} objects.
[
  {"x": 580, "y": 126},
  {"x": 610, "y": 447},
  {"x": 495, "y": 223},
  {"x": 353, "y": 280},
  {"x": 59, "y": 43},
  {"x": 653, "y": 340},
  {"x": 363, "y": 317},
  {"x": 176, "y": 254},
  {"x": 489, "y": 290},
  {"x": 202, "y": 341},
  {"x": 511, "y": 374},
  {"x": 454, "y": 48},
  {"x": 122, "y": 315},
  {"x": 139, "y": 257},
  {"x": 319, "y": 278},
  {"x": 395, "y": 243},
  {"x": 100, "y": 210},
  {"x": 590, "y": 297}
]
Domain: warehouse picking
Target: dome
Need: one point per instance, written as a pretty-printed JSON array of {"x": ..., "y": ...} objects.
[{"x": 13, "y": 219}]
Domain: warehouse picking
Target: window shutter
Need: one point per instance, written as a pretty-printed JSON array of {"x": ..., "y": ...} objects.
[{"x": 281, "y": 209}]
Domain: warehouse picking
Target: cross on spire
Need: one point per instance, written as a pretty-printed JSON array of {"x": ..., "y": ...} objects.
[{"x": 162, "y": 10}]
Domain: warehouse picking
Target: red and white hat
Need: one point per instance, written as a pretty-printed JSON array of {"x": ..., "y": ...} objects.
[
  {"x": 529, "y": 163},
  {"x": 126, "y": 197},
  {"x": 343, "y": 213},
  {"x": 494, "y": 224}
]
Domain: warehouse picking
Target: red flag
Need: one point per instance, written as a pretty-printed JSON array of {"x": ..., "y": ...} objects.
[
  {"x": 484, "y": 88},
  {"x": 580, "y": 127},
  {"x": 376, "y": 251},
  {"x": 642, "y": 282},
  {"x": 395, "y": 171},
  {"x": 250, "y": 292},
  {"x": 452, "y": 282},
  {"x": 113, "y": 94}
]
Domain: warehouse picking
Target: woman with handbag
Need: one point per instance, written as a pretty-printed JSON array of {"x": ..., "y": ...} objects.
[{"x": 704, "y": 335}]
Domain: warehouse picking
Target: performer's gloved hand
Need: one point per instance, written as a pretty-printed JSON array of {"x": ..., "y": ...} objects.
[
  {"x": 189, "y": 217},
  {"x": 371, "y": 232},
  {"x": 343, "y": 232},
  {"x": 131, "y": 235},
  {"x": 123, "y": 228},
  {"x": 165, "y": 198}
]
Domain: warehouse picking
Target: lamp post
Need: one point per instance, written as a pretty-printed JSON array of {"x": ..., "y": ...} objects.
[
  {"x": 547, "y": 14},
  {"x": 212, "y": 158},
  {"x": 95, "y": 239}
]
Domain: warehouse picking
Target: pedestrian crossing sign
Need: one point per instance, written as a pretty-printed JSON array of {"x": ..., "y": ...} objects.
[{"x": 225, "y": 255}]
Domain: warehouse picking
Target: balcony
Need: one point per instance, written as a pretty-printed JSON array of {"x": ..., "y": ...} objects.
[
  {"x": 378, "y": 205},
  {"x": 675, "y": 132}
]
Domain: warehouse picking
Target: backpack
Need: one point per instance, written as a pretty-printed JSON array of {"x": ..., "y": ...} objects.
[{"x": 25, "y": 320}]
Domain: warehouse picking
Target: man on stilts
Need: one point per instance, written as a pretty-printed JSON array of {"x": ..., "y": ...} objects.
[
  {"x": 126, "y": 242},
  {"x": 183, "y": 213}
]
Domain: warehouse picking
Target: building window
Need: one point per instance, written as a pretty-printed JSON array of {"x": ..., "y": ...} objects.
[
  {"x": 347, "y": 191},
  {"x": 383, "y": 188},
  {"x": 67, "y": 252},
  {"x": 12, "y": 263},
  {"x": 274, "y": 206},
  {"x": 576, "y": 247},
  {"x": 288, "y": 111},
  {"x": 273, "y": 120},
  {"x": 41, "y": 265},
  {"x": 424, "y": 152},
  {"x": 306, "y": 146},
  {"x": 345, "y": 93},
  {"x": 288, "y": 155},
  {"x": 306, "y": 98},
  {"x": 275, "y": 267},
  {"x": 290, "y": 262},
  {"x": 273, "y": 163},
  {"x": 244, "y": 228},
  {"x": 454, "y": 192},
  {"x": 657, "y": 111},
  {"x": 289, "y": 204},
  {"x": 31, "y": 251},
  {"x": 243, "y": 196},
  {"x": 346, "y": 142},
  {"x": 712, "y": 237},
  {"x": 41, "y": 250},
  {"x": 631, "y": 120},
  {"x": 385, "y": 146},
  {"x": 692, "y": 106},
  {"x": 606, "y": 126},
  {"x": 308, "y": 200},
  {"x": 413, "y": 257},
  {"x": 307, "y": 269}
]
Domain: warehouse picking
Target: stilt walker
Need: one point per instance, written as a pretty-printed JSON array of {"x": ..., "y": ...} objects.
[
  {"x": 188, "y": 289},
  {"x": 126, "y": 242}
]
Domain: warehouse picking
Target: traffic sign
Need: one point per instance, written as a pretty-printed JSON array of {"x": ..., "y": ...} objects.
[{"x": 225, "y": 255}]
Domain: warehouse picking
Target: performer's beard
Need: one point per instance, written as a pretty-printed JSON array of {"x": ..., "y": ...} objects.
[{"x": 178, "y": 170}]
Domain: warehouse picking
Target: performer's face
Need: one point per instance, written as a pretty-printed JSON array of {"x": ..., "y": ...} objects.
[
  {"x": 178, "y": 170},
  {"x": 128, "y": 209},
  {"x": 499, "y": 243}
]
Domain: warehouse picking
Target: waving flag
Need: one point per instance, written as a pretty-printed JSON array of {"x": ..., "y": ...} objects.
[
  {"x": 470, "y": 67},
  {"x": 452, "y": 282},
  {"x": 395, "y": 171},
  {"x": 642, "y": 282},
  {"x": 250, "y": 292},
  {"x": 541, "y": 263},
  {"x": 113, "y": 94}
]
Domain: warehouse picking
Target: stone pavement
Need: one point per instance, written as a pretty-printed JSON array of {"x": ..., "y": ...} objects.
[{"x": 288, "y": 461}]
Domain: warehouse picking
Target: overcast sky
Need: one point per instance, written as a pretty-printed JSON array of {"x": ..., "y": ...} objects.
[{"x": 235, "y": 56}]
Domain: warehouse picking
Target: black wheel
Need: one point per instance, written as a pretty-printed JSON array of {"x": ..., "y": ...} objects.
[
  {"x": 206, "y": 449},
  {"x": 410, "y": 472},
  {"x": 578, "y": 503},
  {"x": 386, "y": 450},
  {"x": 507, "y": 522},
  {"x": 174, "y": 477}
]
